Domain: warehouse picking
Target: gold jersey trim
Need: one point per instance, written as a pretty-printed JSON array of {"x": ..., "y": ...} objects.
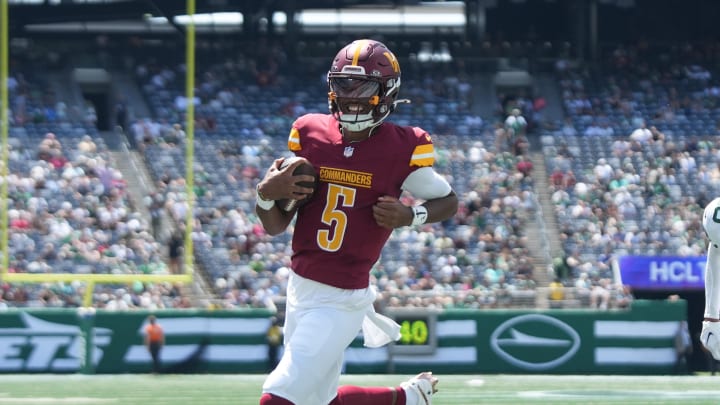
[
  {"x": 294, "y": 140},
  {"x": 423, "y": 155}
]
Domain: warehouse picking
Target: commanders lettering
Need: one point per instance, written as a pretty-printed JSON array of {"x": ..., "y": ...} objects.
[{"x": 351, "y": 178}]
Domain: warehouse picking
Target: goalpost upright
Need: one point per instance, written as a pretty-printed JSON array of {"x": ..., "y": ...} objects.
[
  {"x": 4, "y": 124},
  {"x": 91, "y": 279}
]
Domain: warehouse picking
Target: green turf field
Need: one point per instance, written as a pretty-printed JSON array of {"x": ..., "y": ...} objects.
[{"x": 454, "y": 389}]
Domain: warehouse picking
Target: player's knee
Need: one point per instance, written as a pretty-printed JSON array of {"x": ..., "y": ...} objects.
[{"x": 270, "y": 399}]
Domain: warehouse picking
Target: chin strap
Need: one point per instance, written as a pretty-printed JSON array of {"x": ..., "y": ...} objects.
[{"x": 335, "y": 112}]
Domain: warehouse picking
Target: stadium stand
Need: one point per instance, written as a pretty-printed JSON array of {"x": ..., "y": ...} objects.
[
  {"x": 613, "y": 188},
  {"x": 69, "y": 210},
  {"x": 633, "y": 164}
]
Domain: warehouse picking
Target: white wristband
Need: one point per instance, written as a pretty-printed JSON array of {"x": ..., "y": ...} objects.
[
  {"x": 419, "y": 215},
  {"x": 263, "y": 203}
]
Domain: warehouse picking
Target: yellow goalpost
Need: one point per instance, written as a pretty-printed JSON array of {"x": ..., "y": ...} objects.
[{"x": 91, "y": 279}]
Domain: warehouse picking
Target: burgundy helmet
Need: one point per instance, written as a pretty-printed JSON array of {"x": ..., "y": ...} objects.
[{"x": 363, "y": 84}]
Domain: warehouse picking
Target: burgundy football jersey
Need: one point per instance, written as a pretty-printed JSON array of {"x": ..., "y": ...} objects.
[{"x": 336, "y": 239}]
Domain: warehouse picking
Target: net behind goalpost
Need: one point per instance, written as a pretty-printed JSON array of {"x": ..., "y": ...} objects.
[{"x": 91, "y": 279}]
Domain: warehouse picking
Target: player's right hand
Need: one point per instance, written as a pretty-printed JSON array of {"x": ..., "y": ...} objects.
[
  {"x": 279, "y": 182},
  {"x": 710, "y": 338}
]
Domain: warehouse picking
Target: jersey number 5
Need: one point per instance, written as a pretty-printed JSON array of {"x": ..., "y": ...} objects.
[{"x": 337, "y": 196}]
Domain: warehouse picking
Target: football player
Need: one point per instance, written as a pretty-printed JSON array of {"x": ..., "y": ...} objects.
[
  {"x": 364, "y": 163},
  {"x": 710, "y": 335}
]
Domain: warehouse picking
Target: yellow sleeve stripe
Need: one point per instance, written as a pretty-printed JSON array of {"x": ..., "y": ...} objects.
[
  {"x": 294, "y": 140},
  {"x": 423, "y": 155}
]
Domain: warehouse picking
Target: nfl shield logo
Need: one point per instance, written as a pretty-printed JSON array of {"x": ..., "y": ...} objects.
[{"x": 348, "y": 151}]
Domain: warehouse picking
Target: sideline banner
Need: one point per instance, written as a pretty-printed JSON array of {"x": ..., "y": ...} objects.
[
  {"x": 663, "y": 272},
  {"x": 53, "y": 341},
  {"x": 582, "y": 341},
  {"x": 637, "y": 341}
]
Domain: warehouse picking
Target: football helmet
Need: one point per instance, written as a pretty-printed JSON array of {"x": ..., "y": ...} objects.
[
  {"x": 363, "y": 84},
  {"x": 711, "y": 221}
]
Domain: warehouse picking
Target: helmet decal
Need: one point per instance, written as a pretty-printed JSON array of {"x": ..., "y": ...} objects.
[{"x": 393, "y": 61}]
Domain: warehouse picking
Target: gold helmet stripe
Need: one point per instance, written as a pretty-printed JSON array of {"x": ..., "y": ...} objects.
[{"x": 358, "y": 48}]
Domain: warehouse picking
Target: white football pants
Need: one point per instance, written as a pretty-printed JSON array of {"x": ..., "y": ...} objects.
[{"x": 320, "y": 323}]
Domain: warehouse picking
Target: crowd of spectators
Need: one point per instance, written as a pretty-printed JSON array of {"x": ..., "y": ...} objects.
[
  {"x": 635, "y": 161},
  {"x": 69, "y": 210},
  {"x": 628, "y": 169}
]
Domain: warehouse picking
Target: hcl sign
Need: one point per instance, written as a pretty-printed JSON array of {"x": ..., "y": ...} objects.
[{"x": 663, "y": 272}]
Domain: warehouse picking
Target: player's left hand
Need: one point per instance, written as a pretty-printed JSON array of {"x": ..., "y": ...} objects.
[
  {"x": 710, "y": 338},
  {"x": 390, "y": 213}
]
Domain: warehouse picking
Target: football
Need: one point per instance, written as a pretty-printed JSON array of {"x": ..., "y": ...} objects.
[{"x": 306, "y": 167}]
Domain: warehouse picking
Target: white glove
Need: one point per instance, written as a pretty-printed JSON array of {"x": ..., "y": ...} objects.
[{"x": 710, "y": 338}]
